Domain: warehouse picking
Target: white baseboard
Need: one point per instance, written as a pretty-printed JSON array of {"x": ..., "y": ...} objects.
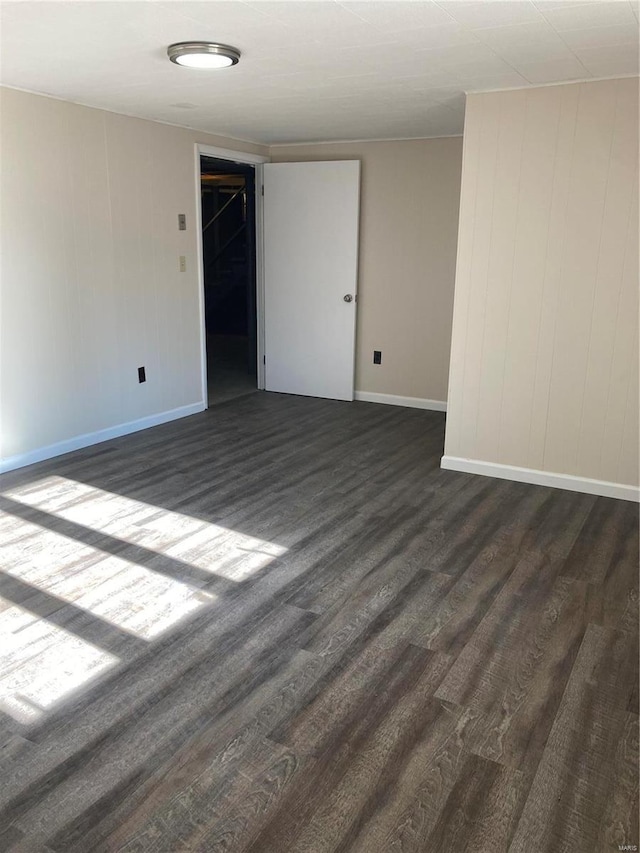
[
  {"x": 542, "y": 478},
  {"x": 89, "y": 438},
  {"x": 394, "y": 400}
]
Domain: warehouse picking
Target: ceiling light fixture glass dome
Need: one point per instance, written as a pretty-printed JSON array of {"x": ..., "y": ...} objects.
[{"x": 203, "y": 54}]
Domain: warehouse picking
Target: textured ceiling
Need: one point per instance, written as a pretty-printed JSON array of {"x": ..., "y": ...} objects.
[{"x": 312, "y": 70}]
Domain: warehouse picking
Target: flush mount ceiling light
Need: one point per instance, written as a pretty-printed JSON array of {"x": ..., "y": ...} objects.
[{"x": 203, "y": 54}]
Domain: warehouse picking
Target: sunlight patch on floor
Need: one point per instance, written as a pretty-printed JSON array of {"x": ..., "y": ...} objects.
[
  {"x": 211, "y": 547},
  {"x": 41, "y": 663},
  {"x": 70, "y": 554},
  {"x": 129, "y": 596}
]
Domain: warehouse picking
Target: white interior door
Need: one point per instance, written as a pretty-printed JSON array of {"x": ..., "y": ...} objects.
[{"x": 311, "y": 215}]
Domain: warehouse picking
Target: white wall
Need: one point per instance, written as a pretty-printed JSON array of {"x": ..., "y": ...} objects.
[
  {"x": 91, "y": 287},
  {"x": 410, "y": 193},
  {"x": 544, "y": 359}
]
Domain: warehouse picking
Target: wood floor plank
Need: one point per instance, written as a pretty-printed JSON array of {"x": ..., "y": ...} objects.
[
  {"x": 524, "y": 674},
  {"x": 573, "y": 783},
  {"x": 219, "y": 749},
  {"x": 148, "y": 734},
  {"x": 450, "y": 626},
  {"x": 215, "y": 810},
  {"x": 252, "y": 808},
  {"x": 619, "y": 825},
  {"x": 335, "y": 795},
  {"x": 280, "y": 626},
  {"x": 604, "y": 556},
  {"x": 405, "y": 807},
  {"x": 481, "y": 811},
  {"x": 516, "y": 663}
]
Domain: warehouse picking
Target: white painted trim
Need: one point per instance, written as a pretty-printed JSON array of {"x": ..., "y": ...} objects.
[
  {"x": 230, "y": 154},
  {"x": 542, "y": 478},
  {"x": 408, "y": 402},
  {"x": 90, "y": 438},
  {"x": 629, "y": 75},
  {"x": 359, "y": 141},
  {"x": 200, "y": 271},
  {"x": 260, "y": 293}
]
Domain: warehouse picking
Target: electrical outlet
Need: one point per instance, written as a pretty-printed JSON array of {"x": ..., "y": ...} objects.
[
  {"x": 377, "y": 356},
  {"x": 182, "y": 222},
  {"x": 183, "y": 263},
  {"x": 142, "y": 374}
]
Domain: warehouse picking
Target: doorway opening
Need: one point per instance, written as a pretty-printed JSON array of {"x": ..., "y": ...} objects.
[{"x": 228, "y": 201}]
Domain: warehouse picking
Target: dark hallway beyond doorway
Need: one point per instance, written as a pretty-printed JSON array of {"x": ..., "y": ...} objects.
[
  {"x": 227, "y": 376},
  {"x": 228, "y": 231}
]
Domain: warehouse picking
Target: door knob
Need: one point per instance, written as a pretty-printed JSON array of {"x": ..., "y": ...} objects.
[{"x": 348, "y": 297}]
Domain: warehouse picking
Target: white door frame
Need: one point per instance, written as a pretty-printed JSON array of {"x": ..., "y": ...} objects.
[{"x": 256, "y": 160}]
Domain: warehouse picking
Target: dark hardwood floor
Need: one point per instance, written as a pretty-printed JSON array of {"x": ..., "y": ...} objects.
[{"x": 278, "y": 626}]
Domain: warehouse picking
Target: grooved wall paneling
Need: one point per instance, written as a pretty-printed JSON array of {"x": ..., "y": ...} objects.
[{"x": 544, "y": 361}]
